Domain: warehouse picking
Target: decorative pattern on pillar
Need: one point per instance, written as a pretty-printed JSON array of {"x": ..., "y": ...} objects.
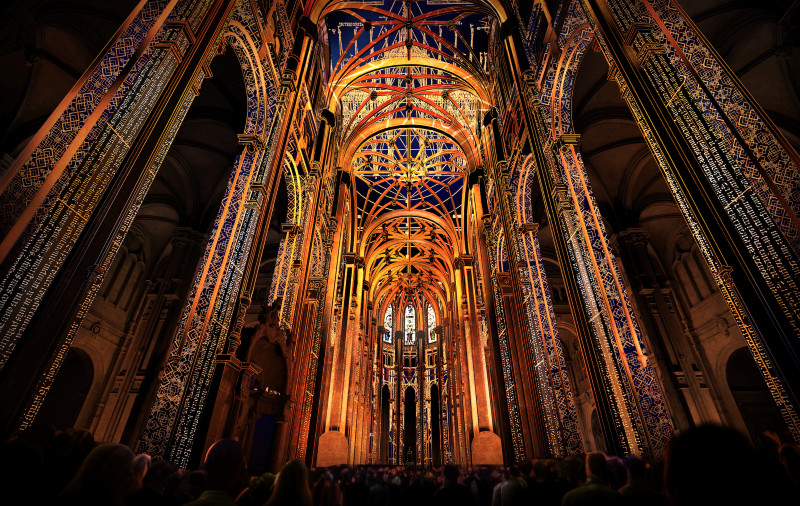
[
  {"x": 101, "y": 136},
  {"x": 446, "y": 404},
  {"x": 44, "y": 167},
  {"x": 749, "y": 138},
  {"x": 551, "y": 371},
  {"x": 183, "y": 387},
  {"x": 724, "y": 160},
  {"x": 50, "y": 191},
  {"x": 517, "y": 442},
  {"x": 646, "y": 426},
  {"x": 548, "y": 344},
  {"x": 314, "y": 261}
]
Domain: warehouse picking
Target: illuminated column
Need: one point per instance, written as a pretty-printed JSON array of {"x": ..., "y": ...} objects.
[
  {"x": 335, "y": 247},
  {"x": 506, "y": 398},
  {"x": 308, "y": 344},
  {"x": 303, "y": 350},
  {"x": 360, "y": 393},
  {"x": 346, "y": 335},
  {"x": 527, "y": 382},
  {"x": 628, "y": 399},
  {"x": 177, "y": 417},
  {"x": 733, "y": 175},
  {"x": 467, "y": 374},
  {"x": 474, "y": 349},
  {"x": 354, "y": 356},
  {"x": 398, "y": 392},
  {"x": 421, "y": 343},
  {"x": 70, "y": 197},
  {"x": 370, "y": 401},
  {"x": 561, "y": 417},
  {"x": 460, "y": 404},
  {"x": 445, "y": 412},
  {"x": 316, "y": 180}
]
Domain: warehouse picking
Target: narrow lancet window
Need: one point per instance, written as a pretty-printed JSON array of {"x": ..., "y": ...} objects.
[
  {"x": 411, "y": 324},
  {"x": 431, "y": 324},
  {"x": 387, "y": 324}
]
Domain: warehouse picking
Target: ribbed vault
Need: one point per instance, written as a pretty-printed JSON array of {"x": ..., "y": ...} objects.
[{"x": 408, "y": 83}]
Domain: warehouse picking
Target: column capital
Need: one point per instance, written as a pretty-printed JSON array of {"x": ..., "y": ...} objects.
[
  {"x": 487, "y": 224},
  {"x": 529, "y": 76},
  {"x": 529, "y": 228},
  {"x": 563, "y": 142},
  {"x": 353, "y": 259},
  {"x": 252, "y": 142},
  {"x": 639, "y": 37},
  {"x": 502, "y": 168},
  {"x": 634, "y": 235},
  {"x": 290, "y": 228},
  {"x": 561, "y": 197},
  {"x": 532, "y": 91},
  {"x": 635, "y": 30},
  {"x": 314, "y": 287}
]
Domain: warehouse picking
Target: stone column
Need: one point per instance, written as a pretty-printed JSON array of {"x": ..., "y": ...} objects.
[
  {"x": 517, "y": 325},
  {"x": 733, "y": 175},
  {"x": 611, "y": 341},
  {"x": 241, "y": 225},
  {"x": 91, "y": 165},
  {"x": 506, "y": 408},
  {"x": 681, "y": 370}
]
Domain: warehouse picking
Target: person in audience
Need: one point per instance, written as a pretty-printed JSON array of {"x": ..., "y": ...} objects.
[
  {"x": 326, "y": 492},
  {"x": 109, "y": 474},
  {"x": 543, "y": 488},
  {"x": 617, "y": 473},
  {"x": 64, "y": 456},
  {"x": 291, "y": 486},
  {"x": 154, "y": 486},
  {"x": 512, "y": 491},
  {"x": 258, "y": 491},
  {"x": 596, "y": 490},
  {"x": 452, "y": 493},
  {"x": 705, "y": 465},
  {"x": 711, "y": 464},
  {"x": 225, "y": 472},
  {"x": 637, "y": 491}
]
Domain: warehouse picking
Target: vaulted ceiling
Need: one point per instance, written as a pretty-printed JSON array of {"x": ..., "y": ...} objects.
[{"x": 410, "y": 83}]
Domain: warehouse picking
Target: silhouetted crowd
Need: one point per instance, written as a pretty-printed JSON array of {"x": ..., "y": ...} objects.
[{"x": 705, "y": 465}]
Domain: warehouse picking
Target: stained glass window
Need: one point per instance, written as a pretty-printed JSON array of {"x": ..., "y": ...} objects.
[
  {"x": 387, "y": 324},
  {"x": 431, "y": 324},
  {"x": 411, "y": 324}
]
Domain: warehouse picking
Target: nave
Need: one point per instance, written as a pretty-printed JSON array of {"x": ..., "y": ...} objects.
[{"x": 404, "y": 233}]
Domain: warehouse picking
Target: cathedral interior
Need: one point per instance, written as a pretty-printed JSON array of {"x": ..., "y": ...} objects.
[{"x": 415, "y": 232}]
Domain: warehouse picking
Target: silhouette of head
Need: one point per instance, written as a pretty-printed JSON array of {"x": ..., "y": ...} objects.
[
  {"x": 711, "y": 465},
  {"x": 224, "y": 465},
  {"x": 291, "y": 486},
  {"x": 107, "y": 476},
  {"x": 451, "y": 474},
  {"x": 596, "y": 465}
]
